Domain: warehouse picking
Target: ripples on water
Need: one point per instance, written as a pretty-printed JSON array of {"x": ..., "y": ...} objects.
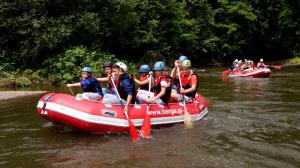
[{"x": 251, "y": 123}]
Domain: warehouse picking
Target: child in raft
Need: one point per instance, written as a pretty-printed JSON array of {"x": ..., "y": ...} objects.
[
  {"x": 91, "y": 87},
  {"x": 189, "y": 83},
  {"x": 161, "y": 90}
]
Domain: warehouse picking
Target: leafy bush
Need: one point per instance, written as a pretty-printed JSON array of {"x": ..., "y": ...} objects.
[
  {"x": 22, "y": 82},
  {"x": 67, "y": 67}
]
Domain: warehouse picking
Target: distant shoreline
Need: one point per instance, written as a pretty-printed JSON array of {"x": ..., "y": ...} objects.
[{"x": 7, "y": 95}]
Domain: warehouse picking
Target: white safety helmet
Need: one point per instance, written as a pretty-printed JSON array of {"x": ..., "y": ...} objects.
[
  {"x": 236, "y": 60},
  {"x": 122, "y": 66},
  {"x": 240, "y": 62},
  {"x": 261, "y": 60}
]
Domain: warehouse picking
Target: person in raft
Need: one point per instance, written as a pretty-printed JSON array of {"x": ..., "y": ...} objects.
[
  {"x": 234, "y": 65},
  {"x": 143, "y": 82},
  {"x": 189, "y": 83},
  {"x": 144, "y": 79},
  {"x": 175, "y": 88},
  {"x": 261, "y": 64},
  {"x": 108, "y": 70},
  {"x": 91, "y": 87},
  {"x": 161, "y": 91},
  {"x": 124, "y": 84}
]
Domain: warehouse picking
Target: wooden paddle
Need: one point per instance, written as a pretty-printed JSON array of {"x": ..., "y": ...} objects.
[
  {"x": 146, "y": 127},
  {"x": 187, "y": 117},
  {"x": 70, "y": 89},
  {"x": 132, "y": 129}
]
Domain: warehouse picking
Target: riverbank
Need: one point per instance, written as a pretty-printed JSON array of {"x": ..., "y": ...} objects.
[{"x": 6, "y": 95}]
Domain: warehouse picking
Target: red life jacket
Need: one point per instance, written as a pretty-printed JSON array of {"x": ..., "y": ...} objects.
[
  {"x": 145, "y": 86},
  {"x": 157, "y": 88},
  {"x": 186, "y": 84}
]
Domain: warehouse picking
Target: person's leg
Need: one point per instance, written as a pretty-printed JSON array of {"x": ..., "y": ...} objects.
[
  {"x": 186, "y": 98},
  {"x": 106, "y": 91},
  {"x": 79, "y": 96},
  {"x": 111, "y": 99},
  {"x": 91, "y": 96},
  {"x": 159, "y": 102},
  {"x": 174, "y": 96},
  {"x": 142, "y": 96}
]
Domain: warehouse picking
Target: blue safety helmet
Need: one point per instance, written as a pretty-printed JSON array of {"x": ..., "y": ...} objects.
[
  {"x": 87, "y": 69},
  {"x": 159, "y": 65},
  {"x": 144, "y": 68},
  {"x": 182, "y": 58}
]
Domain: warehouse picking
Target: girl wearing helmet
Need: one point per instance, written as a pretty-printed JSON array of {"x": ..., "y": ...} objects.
[
  {"x": 124, "y": 84},
  {"x": 143, "y": 81},
  {"x": 189, "y": 83},
  {"x": 161, "y": 90},
  {"x": 91, "y": 87}
]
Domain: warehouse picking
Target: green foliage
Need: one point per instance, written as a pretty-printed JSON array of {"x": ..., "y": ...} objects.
[
  {"x": 67, "y": 67},
  {"x": 22, "y": 82},
  {"x": 43, "y": 34}
]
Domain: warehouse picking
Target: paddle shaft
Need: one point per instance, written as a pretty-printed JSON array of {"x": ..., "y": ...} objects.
[
  {"x": 180, "y": 83},
  {"x": 149, "y": 89},
  {"x": 71, "y": 90},
  {"x": 118, "y": 95}
]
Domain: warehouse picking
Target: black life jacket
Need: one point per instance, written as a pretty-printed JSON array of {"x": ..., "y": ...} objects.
[
  {"x": 121, "y": 89},
  {"x": 157, "y": 88},
  {"x": 187, "y": 86},
  {"x": 94, "y": 86}
]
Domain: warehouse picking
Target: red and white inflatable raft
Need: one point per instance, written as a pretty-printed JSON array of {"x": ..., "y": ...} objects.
[
  {"x": 256, "y": 73},
  {"x": 89, "y": 116}
]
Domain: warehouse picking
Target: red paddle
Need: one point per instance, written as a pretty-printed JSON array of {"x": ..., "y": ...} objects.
[
  {"x": 131, "y": 127},
  {"x": 146, "y": 127},
  {"x": 224, "y": 73},
  {"x": 277, "y": 67}
]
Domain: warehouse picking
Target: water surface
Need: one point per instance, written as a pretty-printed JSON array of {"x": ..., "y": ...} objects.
[{"x": 251, "y": 123}]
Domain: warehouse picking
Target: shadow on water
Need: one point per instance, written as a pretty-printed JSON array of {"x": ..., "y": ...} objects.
[{"x": 251, "y": 123}]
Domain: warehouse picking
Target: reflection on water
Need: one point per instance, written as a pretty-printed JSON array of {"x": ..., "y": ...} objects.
[{"x": 253, "y": 123}]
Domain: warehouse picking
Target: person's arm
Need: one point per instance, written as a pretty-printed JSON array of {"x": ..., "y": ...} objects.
[
  {"x": 189, "y": 90},
  {"x": 141, "y": 82},
  {"x": 128, "y": 101},
  {"x": 174, "y": 71},
  {"x": 128, "y": 88},
  {"x": 74, "y": 84},
  {"x": 106, "y": 79},
  {"x": 160, "y": 94},
  {"x": 192, "y": 88}
]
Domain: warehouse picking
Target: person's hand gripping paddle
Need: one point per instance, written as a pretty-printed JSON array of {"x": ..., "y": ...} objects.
[{"x": 132, "y": 130}]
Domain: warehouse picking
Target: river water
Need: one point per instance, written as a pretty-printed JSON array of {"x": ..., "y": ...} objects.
[{"x": 251, "y": 123}]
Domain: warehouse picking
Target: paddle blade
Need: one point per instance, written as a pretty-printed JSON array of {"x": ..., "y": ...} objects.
[
  {"x": 146, "y": 127},
  {"x": 224, "y": 73},
  {"x": 278, "y": 67},
  {"x": 188, "y": 120},
  {"x": 133, "y": 132}
]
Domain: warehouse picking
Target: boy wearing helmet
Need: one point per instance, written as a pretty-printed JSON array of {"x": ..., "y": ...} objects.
[
  {"x": 108, "y": 70},
  {"x": 189, "y": 82},
  {"x": 261, "y": 64},
  {"x": 124, "y": 84},
  {"x": 91, "y": 87},
  {"x": 161, "y": 90}
]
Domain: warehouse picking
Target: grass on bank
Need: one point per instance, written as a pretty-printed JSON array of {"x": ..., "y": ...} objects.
[{"x": 295, "y": 60}]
